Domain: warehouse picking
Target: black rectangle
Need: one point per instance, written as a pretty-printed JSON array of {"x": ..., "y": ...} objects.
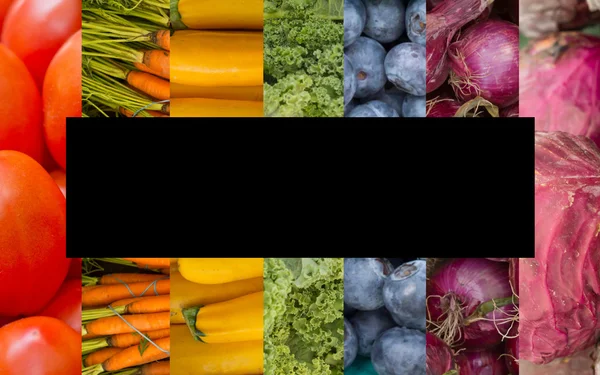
[{"x": 275, "y": 187}]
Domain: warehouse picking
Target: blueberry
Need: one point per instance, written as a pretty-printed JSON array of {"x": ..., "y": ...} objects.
[
  {"x": 399, "y": 351},
  {"x": 385, "y": 19},
  {"x": 392, "y": 97},
  {"x": 416, "y": 21},
  {"x": 355, "y": 17},
  {"x": 374, "y": 108},
  {"x": 350, "y": 106},
  {"x": 350, "y": 343},
  {"x": 404, "y": 294},
  {"x": 405, "y": 68},
  {"x": 363, "y": 282},
  {"x": 349, "y": 311},
  {"x": 368, "y": 325},
  {"x": 367, "y": 57},
  {"x": 414, "y": 106},
  {"x": 349, "y": 80}
]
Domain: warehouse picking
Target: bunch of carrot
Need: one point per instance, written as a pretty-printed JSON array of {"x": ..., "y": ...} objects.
[
  {"x": 217, "y": 64},
  {"x": 125, "y": 58},
  {"x": 217, "y": 316},
  {"x": 125, "y": 319}
]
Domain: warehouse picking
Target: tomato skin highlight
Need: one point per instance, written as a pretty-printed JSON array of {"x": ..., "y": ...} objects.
[
  {"x": 35, "y": 29},
  {"x": 39, "y": 345},
  {"x": 60, "y": 177},
  {"x": 62, "y": 97},
  {"x": 66, "y": 304},
  {"x": 20, "y": 108},
  {"x": 33, "y": 262}
]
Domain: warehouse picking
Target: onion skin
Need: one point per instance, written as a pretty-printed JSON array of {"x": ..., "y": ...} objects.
[
  {"x": 511, "y": 348},
  {"x": 482, "y": 363},
  {"x": 510, "y": 111},
  {"x": 541, "y": 18},
  {"x": 499, "y": 259},
  {"x": 442, "y": 107},
  {"x": 559, "y": 105},
  {"x": 439, "y": 356},
  {"x": 513, "y": 274},
  {"x": 484, "y": 61},
  {"x": 443, "y": 22},
  {"x": 472, "y": 281},
  {"x": 559, "y": 290}
]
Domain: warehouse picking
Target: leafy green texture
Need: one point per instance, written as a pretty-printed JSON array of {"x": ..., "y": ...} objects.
[
  {"x": 304, "y": 316},
  {"x": 303, "y": 58}
]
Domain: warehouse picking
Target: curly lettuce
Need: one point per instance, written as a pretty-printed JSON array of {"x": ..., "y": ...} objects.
[
  {"x": 304, "y": 319},
  {"x": 303, "y": 58}
]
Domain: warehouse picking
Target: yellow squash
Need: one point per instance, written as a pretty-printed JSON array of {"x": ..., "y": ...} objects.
[
  {"x": 217, "y": 58},
  {"x": 217, "y": 14},
  {"x": 253, "y": 93},
  {"x": 185, "y": 293},
  {"x": 239, "y": 319},
  {"x": 191, "y": 357},
  {"x": 219, "y": 270},
  {"x": 192, "y": 107}
]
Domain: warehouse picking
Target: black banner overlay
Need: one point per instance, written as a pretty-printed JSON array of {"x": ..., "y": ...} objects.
[{"x": 297, "y": 187}]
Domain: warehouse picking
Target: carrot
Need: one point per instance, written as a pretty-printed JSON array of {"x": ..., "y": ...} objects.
[
  {"x": 105, "y": 294},
  {"x": 158, "y": 114},
  {"x": 149, "y": 84},
  {"x": 166, "y": 271},
  {"x": 100, "y": 356},
  {"x": 151, "y": 262},
  {"x": 131, "y": 356},
  {"x": 118, "y": 278},
  {"x": 155, "y": 368},
  {"x": 140, "y": 305},
  {"x": 122, "y": 340},
  {"x": 129, "y": 113},
  {"x": 114, "y": 324},
  {"x": 162, "y": 38},
  {"x": 157, "y": 61}
]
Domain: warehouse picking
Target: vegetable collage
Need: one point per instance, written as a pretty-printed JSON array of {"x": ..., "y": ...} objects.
[
  {"x": 217, "y": 60},
  {"x": 473, "y": 58},
  {"x": 384, "y": 58},
  {"x": 384, "y": 316},
  {"x": 217, "y": 316},
  {"x": 125, "y": 58},
  {"x": 125, "y": 325}
]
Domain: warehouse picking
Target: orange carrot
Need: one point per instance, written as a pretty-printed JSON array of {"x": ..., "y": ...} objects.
[
  {"x": 151, "y": 262},
  {"x": 157, "y": 114},
  {"x": 162, "y": 38},
  {"x": 156, "y": 368},
  {"x": 149, "y": 84},
  {"x": 139, "y": 305},
  {"x": 166, "y": 271},
  {"x": 114, "y": 324},
  {"x": 131, "y": 356},
  {"x": 150, "y": 305},
  {"x": 100, "y": 356},
  {"x": 104, "y": 294},
  {"x": 118, "y": 278},
  {"x": 155, "y": 61},
  {"x": 125, "y": 340}
]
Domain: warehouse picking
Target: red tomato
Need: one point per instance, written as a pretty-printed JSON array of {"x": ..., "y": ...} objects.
[
  {"x": 61, "y": 180},
  {"x": 35, "y": 30},
  {"x": 5, "y": 320},
  {"x": 39, "y": 345},
  {"x": 62, "y": 96},
  {"x": 22, "y": 132},
  {"x": 33, "y": 262},
  {"x": 4, "y": 5},
  {"x": 66, "y": 304},
  {"x": 75, "y": 269}
]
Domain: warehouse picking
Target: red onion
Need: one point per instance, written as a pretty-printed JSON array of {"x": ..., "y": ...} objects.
[
  {"x": 439, "y": 356},
  {"x": 513, "y": 274},
  {"x": 484, "y": 61},
  {"x": 456, "y": 292},
  {"x": 442, "y": 107},
  {"x": 510, "y": 111},
  {"x": 482, "y": 363},
  {"x": 511, "y": 348},
  {"x": 560, "y": 84},
  {"x": 559, "y": 289},
  {"x": 443, "y": 22},
  {"x": 499, "y": 259}
]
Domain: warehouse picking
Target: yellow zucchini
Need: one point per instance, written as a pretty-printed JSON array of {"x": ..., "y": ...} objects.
[
  {"x": 239, "y": 319},
  {"x": 196, "y": 107},
  {"x": 253, "y": 93},
  {"x": 219, "y": 270},
  {"x": 217, "y": 58},
  {"x": 213, "y": 15},
  {"x": 195, "y": 358},
  {"x": 185, "y": 293}
]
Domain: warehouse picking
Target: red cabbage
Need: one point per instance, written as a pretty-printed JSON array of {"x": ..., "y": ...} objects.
[
  {"x": 560, "y": 84},
  {"x": 440, "y": 358},
  {"x": 455, "y": 293},
  {"x": 559, "y": 289},
  {"x": 484, "y": 61},
  {"x": 482, "y": 363}
]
